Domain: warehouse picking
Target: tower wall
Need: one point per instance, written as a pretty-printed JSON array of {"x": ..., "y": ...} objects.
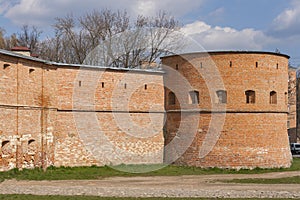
[{"x": 240, "y": 131}]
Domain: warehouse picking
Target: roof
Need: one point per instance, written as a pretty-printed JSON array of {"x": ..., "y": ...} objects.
[
  {"x": 20, "y": 49},
  {"x": 229, "y": 52},
  {"x": 10, "y": 53}
]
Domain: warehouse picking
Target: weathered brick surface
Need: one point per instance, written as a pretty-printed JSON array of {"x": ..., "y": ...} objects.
[
  {"x": 292, "y": 116},
  {"x": 64, "y": 115},
  {"x": 245, "y": 135}
]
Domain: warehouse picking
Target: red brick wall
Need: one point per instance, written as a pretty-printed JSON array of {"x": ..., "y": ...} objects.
[
  {"x": 128, "y": 118},
  {"x": 247, "y": 135},
  {"x": 63, "y": 115},
  {"x": 45, "y": 112}
]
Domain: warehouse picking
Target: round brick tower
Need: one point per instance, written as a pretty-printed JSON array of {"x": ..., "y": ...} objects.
[{"x": 227, "y": 109}]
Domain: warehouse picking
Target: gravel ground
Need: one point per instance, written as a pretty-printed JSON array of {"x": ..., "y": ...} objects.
[{"x": 179, "y": 186}]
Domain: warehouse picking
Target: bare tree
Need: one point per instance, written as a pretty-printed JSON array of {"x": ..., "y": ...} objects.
[
  {"x": 29, "y": 37},
  {"x": 109, "y": 38},
  {"x": 2, "y": 39},
  {"x": 145, "y": 41},
  {"x": 161, "y": 30}
]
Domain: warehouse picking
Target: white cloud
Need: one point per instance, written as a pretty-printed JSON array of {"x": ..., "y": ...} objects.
[
  {"x": 226, "y": 38},
  {"x": 42, "y": 12},
  {"x": 287, "y": 23}
]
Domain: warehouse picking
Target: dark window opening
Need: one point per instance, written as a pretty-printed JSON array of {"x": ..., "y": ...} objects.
[
  {"x": 176, "y": 66},
  {"x": 250, "y": 96},
  {"x": 230, "y": 63},
  {"x": 222, "y": 96},
  {"x": 273, "y": 97},
  {"x": 125, "y": 86},
  {"x": 194, "y": 97},
  {"x": 5, "y": 148},
  {"x": 31, "y": 147},
  {"x": 171, "y": 98},
  {"x": 6, "y": 66},
  {"x": 102, "y": 84},
  {"x": 4, "y": 143},
  {"x": 145, "y": 86},
  {"x": 277, "y": 66},
  {"x": 79, "y": 83},
  {"x": 31, "y": 70},
  {"x": 31, "y": 142},
  {"x": 256, "y": 64}
]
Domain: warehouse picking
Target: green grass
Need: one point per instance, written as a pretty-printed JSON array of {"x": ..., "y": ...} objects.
[
  {"x": 287, "y": 180},
  {"x": 81, "y": 173},
  {"x": 32, "y": 197}
]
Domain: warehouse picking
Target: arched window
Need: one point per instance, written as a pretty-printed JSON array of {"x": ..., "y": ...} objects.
[
  {"x": 222, "y": 96},
  {"x": 194, "y": 97},
  {"x": 273, "y": 97},
  {"x": 171, "y": 98},
  {"x": 5, "y": 148},
  {"x": 250, "y": 96},
  {"x": 31, "y": 146}
]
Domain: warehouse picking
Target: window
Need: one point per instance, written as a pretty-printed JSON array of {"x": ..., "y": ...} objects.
[
  {"x": 230, "y": 63},
  {"x": 250, "y": 96},
  {"x": 256, "y": 64},
  {"x": 6, "y": 66},
  {"x": 176, "y": 66},
  {"x": 79, "y": 83},
  {"x": 273, "y": 97},
  {"x": 102, "y": 84},
  {"x": 194, "y": 97},
  {"x": 145, "y": 86},
  {"x": 125, "y": 86},
  {"x": 286, "y": 98},
  {"x": 171, "y": 98},
  {"x": 222, "y": 96},
  {"x": 5, "y": 148},
  {"x": 277, "y": 66},
  {"x": 31, "y": 146},
  {"x": 31, "y": 70}
]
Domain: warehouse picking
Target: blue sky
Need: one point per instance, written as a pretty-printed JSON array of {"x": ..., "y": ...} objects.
[{"x": 262, "y": 25}]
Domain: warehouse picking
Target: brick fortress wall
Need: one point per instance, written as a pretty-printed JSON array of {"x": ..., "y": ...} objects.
[
  {"x": 221, "y": 126},
  {"x": 62, "y": 115}
]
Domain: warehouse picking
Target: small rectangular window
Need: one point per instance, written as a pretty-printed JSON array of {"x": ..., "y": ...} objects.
[
  {"x": 102, "y": 84},
  {"x": 273, "y": 97},
  {"x": 172, "y": 98},
  {"x": 145, "y": 86},
  {"x": 79, "y": 83},
  {"x": 222, "y": 96},
  {"x": 125, "y": 86},
  {"x": 230, "y": 63},
  {"x": 194, "y": 97},
  {"x": 176, "y": 66},
  {"x": 6, "y": 66},
  {"x": 256, "y": 64},
  {"x": 31, "y": 70},
  {"x": 250, "y": 96}
]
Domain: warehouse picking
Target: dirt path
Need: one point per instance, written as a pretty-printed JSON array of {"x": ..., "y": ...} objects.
[{"x": 179, "y": 186}]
